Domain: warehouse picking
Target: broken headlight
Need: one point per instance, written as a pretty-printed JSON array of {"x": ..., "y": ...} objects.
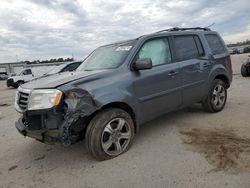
[{"x": 44, "y": 99}]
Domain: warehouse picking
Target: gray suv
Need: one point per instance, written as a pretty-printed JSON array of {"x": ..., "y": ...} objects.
[{"x": 120, "y": 86}]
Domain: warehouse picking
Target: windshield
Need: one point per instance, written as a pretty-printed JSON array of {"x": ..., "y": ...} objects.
[
  {"x": 56, "y": 69},
  {"x": 107, "y": 57}
]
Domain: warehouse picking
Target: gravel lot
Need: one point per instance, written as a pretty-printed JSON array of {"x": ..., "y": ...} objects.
[{"x": 187, "y": 148}]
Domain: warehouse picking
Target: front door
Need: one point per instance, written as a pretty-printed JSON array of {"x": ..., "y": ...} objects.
[
  {"x": 27, "y": 75},
  {"x": 158, "y": 89}
]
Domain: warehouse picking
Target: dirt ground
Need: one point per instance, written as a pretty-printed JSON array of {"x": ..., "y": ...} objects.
[{"x": 187, "y": 148}]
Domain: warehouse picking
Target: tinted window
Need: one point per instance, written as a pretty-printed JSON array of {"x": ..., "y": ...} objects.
[
  {"x": 157, "y": 50},
  {"x": 27, "y": 72},
  {"x": 215, "y": 44},
  {"x": 199, "y": 46},
  {"x": 71, "y": 67},
  {"x": 186, "y": 47}
]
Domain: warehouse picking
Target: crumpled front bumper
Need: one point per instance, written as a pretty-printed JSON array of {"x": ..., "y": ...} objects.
[{"x": 42, "y": 135}]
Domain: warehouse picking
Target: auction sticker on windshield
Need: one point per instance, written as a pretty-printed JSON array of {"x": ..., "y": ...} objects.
[{"x": 123, "y": 48}]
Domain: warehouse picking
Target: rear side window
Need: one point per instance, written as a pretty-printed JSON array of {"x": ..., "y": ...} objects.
[
  {"x": 215, "y": 44},
  {"x": 188, "y": 47}
]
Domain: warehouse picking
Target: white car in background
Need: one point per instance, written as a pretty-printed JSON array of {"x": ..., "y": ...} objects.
[
  {"x": 29, "y": 74},
  {"x": 26, "y": 75}
]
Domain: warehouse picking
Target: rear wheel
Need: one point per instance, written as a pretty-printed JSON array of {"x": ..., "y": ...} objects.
[
  {"x": 244, "y": 71},
  {"x": 109, "y": 134},
  {"x": 217, "y": 97}
]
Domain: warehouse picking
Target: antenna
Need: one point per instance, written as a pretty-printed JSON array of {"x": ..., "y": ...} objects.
[{"x": 211, "y": 24}]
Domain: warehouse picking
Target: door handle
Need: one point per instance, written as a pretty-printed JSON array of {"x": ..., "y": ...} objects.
[{"x": 172, "y": 73}]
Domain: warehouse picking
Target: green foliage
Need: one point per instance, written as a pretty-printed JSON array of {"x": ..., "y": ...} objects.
[{"x": 50, "y": 61}]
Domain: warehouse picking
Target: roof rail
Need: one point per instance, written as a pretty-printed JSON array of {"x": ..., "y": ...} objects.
[{"x": 184, "y": 29}]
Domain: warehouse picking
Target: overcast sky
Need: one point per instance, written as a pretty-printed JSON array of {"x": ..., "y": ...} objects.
[{"x": 41, "y": 29}]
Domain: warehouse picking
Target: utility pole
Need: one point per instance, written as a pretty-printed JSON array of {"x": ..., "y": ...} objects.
[{"x": 16, "y": 58}]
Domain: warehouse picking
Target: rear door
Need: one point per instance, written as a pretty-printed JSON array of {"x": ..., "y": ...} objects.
[
  {"x": 158, "y": 89},
  {"x": 194, "y": 67}
]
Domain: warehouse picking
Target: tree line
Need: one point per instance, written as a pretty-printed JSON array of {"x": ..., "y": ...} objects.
[
  {"x": 246, "y": 42},
  {"x": 60, "y": 59}
]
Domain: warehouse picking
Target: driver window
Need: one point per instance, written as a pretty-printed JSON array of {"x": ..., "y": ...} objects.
[
  {"x": 157, "y": 50},
  {"x": 27, "y": 72}
]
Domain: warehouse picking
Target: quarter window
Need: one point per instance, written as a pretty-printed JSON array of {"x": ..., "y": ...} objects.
[
  {"x": 199, "y": 46},
  {"x": 157, "y": 50},
  {"x": 186, "y": 47},
  {"x": 215, "y": 44}
]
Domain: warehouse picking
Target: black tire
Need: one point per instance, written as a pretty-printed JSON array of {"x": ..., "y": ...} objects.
[
  {"x": 209, "y": 103},
  {"x": 18, "y": 84},
  {"x": 96, "y": 131},
  {"x": 244, "y": 72}
]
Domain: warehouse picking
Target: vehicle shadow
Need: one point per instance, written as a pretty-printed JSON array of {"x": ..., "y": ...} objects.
[{"x": 54, "y": 156}]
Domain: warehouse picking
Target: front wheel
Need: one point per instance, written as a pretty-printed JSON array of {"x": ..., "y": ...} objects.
[
  {"x": 217, "y": 97},
  {"x": 19, "y": 83},
  {"x": 109, "y": 134}
]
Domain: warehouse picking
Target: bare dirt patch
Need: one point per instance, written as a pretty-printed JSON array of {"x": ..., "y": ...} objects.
[{"x": 223, "y": 149}]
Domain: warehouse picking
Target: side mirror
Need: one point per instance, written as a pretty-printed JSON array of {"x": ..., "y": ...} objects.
[{"x": 142, "y": 64}]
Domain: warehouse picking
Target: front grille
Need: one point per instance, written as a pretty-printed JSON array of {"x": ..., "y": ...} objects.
[{"x": 22, "y": 99}]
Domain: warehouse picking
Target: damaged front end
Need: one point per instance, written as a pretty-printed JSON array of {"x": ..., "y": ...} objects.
[{"x": 63, "y": 123}]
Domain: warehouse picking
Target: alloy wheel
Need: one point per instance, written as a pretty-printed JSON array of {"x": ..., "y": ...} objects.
[{"x": 116, "y": 136}]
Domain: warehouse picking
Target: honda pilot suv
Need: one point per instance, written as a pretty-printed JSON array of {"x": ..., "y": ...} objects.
[{"x": 120, "y": 86}]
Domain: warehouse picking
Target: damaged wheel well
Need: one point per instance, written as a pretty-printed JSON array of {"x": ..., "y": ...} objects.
[{"x": 82, "y": 123}]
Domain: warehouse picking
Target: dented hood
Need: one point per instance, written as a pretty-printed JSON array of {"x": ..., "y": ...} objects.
[{"x": 59, "y": 79}]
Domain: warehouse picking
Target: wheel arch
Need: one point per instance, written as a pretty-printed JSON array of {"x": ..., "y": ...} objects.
[
  {"x": 220, "y": 72},
  {"x": 124, "y": 106},
  {"x": 224, "y": 78}
]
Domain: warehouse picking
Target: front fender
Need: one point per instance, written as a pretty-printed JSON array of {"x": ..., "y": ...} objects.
[
  {"x": 119, "y": 96},
  {"x": 17, "y": 78}
]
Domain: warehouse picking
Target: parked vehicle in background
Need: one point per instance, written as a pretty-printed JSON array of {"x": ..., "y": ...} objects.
[
  {"x": 120, "y": 86},
  {"x": 245, "y": 68},
  {"x": 67, "y": 67},
  {"x": 4, "y": 76},
  {"x": 26, "y": 75},
  {"x": 247, "y": 49},
  {"x": 37, "y": 72},
  {"x": 234, "y": 51}
]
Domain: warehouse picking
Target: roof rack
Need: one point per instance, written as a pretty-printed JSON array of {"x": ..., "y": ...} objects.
[{"x": 184, "y": 29}]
